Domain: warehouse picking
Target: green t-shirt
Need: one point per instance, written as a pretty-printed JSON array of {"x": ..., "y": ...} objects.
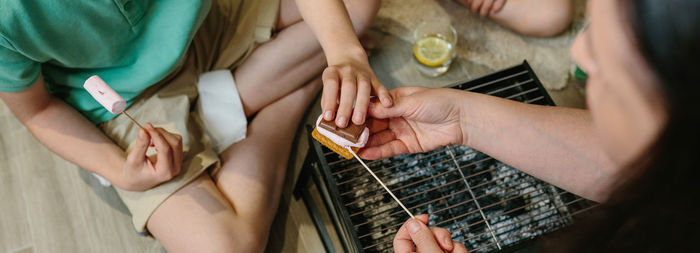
[{"x": 131, "y": 44}]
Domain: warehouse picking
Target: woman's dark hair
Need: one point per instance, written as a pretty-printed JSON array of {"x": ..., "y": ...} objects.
[{"x": 657, "y": 209}]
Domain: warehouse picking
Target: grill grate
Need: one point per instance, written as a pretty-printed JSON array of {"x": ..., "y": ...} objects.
[{"x": 484, "y": 203}]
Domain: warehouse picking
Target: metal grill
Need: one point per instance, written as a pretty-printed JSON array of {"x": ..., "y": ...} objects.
[{"x": 484, "y": 203}]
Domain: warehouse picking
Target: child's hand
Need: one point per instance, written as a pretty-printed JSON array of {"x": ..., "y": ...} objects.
[
  {"x": 484, "y": 7},
  {"x": 141, "y": 172},
  {"x": 350, "y": 82}
]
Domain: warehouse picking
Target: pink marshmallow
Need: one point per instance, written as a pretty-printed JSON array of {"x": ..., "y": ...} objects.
[
  {"x": 361, "y": 142},
  {"x": 105, "y": 95}
]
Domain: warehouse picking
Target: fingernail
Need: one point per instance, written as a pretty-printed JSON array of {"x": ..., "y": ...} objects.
[
  {"x": 342, "y": 121},
  {"x": 387, "y": 101},
  {"x": 413, "y": 226},
  {"x": 328, "y": 115},
  {"x": 448, "y": 241},
  {"x": 358, "y": 118}
]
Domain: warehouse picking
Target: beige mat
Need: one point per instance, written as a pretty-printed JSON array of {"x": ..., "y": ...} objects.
[{"x": 482, "y": 47}]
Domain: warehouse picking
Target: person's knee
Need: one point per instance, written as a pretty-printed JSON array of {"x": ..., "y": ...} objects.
[
  {"x": 555, "y": 20},
  {"x": 252, "y": 238},
  {"x": 362, "y": 13},
  {"x": 235, "y": 238}
]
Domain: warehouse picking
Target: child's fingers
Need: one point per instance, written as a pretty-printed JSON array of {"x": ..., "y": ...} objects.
[
  {"x": 498, "y": 6},
  {"x": 381, "y": 92},
  {"x": 476, "y": 4},
  {"x": 398, "y": 109},
  {"x": 138, "y": 153},
  {"x": 329, "y": 100},
  {"x": 486, "y": 8},
  {"x": 164, "y": 154},
  {"x": 175, "y": 142},
  {"x": 376, "y": 110},
  {"x": 364, "y": 88},
  {"x": 348, "y": 91}
]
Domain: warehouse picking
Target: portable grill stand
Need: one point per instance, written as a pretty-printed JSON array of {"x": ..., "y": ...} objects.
[
  {"x": 310, "y": 173},
  {"x": 518, "y": 83}
]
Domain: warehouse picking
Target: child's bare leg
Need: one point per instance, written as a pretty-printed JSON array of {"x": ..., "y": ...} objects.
[
  {"x": 292, "y": 58},
  {"x": 200, "y": 218},
  {"x": 541, "y": 18},
  {"x": 253, "y": 170},
  {"x": 279, "y": 67}
]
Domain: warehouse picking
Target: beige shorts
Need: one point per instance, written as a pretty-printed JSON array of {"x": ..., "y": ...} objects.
[{"x": 228, "y": 35}]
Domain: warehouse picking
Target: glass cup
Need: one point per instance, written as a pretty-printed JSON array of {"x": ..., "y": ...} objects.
[{"x": 434, "y": 47}]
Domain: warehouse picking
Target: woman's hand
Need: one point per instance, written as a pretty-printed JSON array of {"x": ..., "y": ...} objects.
[
  {"x": 427, "y": 240},
  {"x": 350, "y": 81},
  {"x": 141, "y": 172},
  {"x": 484, "y": 7},
  {"x": 420, "y": 120}
]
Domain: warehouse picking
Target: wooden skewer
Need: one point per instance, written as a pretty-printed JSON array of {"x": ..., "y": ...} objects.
[
  {"x": 382, "y": 183},
  {"x": 132, "y": 119}
]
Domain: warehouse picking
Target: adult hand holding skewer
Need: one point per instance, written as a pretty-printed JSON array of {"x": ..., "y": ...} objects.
[
  {"x": 420, "y": 120},
  {"x": 426, "y": 240}
]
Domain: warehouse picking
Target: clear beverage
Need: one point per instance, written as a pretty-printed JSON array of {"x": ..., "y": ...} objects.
[{"x": 434, "y": 47}]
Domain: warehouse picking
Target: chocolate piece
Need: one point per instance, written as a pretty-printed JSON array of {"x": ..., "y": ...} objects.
[{"x": 352, "y": 132}]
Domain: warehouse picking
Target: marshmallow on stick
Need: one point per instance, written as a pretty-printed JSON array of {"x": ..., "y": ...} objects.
[{"x": 107, "y": 97}]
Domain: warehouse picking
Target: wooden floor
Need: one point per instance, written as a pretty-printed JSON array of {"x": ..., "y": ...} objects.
[{"x": 57, "y": 207}]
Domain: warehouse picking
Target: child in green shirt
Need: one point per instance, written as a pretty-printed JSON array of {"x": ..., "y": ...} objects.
[{"x": 188, "y": 194}]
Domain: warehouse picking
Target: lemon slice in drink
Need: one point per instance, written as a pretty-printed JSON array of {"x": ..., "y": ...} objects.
[{"x": 432, "y": 51}]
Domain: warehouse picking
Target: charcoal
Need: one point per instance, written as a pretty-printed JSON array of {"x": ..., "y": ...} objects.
[
  {"x": 500, "y": 205},
  {"x": 484, "y": 203}
]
